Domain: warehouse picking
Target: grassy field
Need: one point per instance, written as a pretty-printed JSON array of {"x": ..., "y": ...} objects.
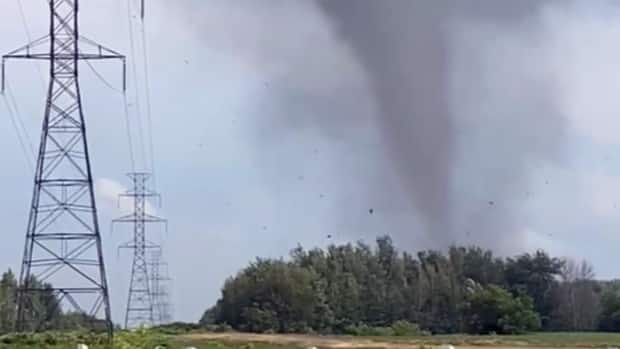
[
  {"x": 264, "y": 341},
  {"x": 539, "y": 340}
]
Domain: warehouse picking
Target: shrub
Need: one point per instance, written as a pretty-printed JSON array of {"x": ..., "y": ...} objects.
[
  {"x": 52, "y": 340},
  {"x": 404, "y": 328},
  {"x": 399, "y": 328},
  {"x": 138, "y": 339},
  {"x": 177, "y": 328},
  {"x": 493, "y": 309},
  {"x": 223, "y": 328}
]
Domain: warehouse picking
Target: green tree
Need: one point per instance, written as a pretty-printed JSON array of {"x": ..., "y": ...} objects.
[
  {"x": 609, "y": 319},
  {"x": 477, "y": 264},
  {"x": 370, "y": 288},
  {"x": 535, "y": 275},
  {"x": 440, "y": 293},
  {"x": 493, "y": 309},
  {"x": 8, "y": 287},
  {"x": 576, "y": 298},
  {"x": 269, "y": 295}
]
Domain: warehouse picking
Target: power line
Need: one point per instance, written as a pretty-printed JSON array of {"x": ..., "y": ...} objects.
[
  {"x": 148, "y": 100},
  {"x": 137, "y": 91},
  {"x": 22, "y": 13},
  {"x": 102, "y": 79},
  {"x": 128, "y": 128},
  {"x": 18, "y": 134},
  {"x": 20, "y": 120},
  {"x": 126, "y": 113}
]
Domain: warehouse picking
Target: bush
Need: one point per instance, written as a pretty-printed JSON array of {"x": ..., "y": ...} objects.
[
  {"x": 176, "y": 328},
  {"x": 405, "y": 328},
  {"x": 138, "y": 339},
  {"x": 399, "y": 328},
  {"x": 52, "y": 340},
  {"x": 364, "y": 330},
  {"x": 493, "y": 309},
  {"x": 219, "y": 328},
  {"x": 609, "y": 319}
]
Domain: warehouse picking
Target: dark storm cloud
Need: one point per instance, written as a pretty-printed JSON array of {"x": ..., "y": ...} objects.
[
  {"x": 405, "y": 48},
  {"x": 400, "y": 45},
  {"x": 425, "y": 111}
]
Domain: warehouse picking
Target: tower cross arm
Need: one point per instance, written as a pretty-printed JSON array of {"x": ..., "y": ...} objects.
[
  {"x": 132, "y": 245},
  {"x": 31, "y": 50},
  {"x": 133, "y": 218},
  {"x": 96, "y": 50},
  {"x": 38, "y": 49}
]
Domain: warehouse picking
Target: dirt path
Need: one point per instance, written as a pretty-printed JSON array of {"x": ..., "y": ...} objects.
[{"x": 345, "y": 342}]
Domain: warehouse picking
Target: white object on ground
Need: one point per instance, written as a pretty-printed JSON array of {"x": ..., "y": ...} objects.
[
  {"x": 446, "y": 346},
  {"x": 82, "y": 346}
]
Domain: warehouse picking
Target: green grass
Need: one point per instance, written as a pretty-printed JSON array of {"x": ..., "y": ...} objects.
[
  {"x": 122, "y": 340},
  {"x": 147, "y": 340}
]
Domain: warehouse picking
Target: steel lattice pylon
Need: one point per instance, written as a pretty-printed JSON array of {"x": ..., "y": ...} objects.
[
  {"x": 140, "y": 307},
  {"x": 160, "y": 290},
  {"x": 63, "y": 250}
]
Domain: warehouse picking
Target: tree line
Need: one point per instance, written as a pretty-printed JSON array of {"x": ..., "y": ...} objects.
[
  {"x": 43, "y": 305},
  {"x": 357, "y": 288}
]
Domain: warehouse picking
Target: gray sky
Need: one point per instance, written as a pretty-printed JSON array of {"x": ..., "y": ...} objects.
[{"x": 281, "y": 122}]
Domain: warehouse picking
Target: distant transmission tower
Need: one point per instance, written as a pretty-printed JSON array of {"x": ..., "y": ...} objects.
[
  {"x": 139, "y": 302},
  {"x": 63, "y": 245},
  {"x": 160, "y": 289}
]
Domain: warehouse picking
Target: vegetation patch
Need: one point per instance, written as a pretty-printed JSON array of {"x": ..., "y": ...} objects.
[{"x": 364, "y": 290}]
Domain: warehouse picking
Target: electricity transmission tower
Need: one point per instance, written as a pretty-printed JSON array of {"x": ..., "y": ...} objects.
[
  {"x": 139, "y": 302},
  {"x": 63, "y": 244},
  {"x": 160, "y": 290}
]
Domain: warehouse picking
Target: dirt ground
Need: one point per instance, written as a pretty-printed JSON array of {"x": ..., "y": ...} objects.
[{"x": 351, "y": 343}]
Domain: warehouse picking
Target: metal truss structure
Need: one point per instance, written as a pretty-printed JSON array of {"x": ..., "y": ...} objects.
[
  {"x": 160, "y": 289},
  {"x": 63, "y": 255},
  {"x": 140, "y": 309}
]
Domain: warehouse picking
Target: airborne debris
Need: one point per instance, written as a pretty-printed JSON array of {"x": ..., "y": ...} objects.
[{"x": 371, "y": 211}]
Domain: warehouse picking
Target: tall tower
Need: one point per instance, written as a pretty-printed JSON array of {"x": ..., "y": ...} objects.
[
  {"x": 63, "y": 255},
  {"x": 160, "y": 290},
  {"x": 140, "y": 311}
]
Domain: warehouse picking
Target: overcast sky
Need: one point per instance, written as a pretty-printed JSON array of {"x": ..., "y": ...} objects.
[{"x": 282, "y": 122}]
